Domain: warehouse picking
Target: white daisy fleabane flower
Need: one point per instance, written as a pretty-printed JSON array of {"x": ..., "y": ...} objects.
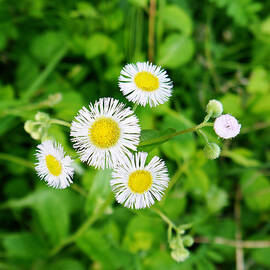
[
  {"x": 53, "y": 166},
  {"x": 137, "y": 185},
  {"x": 145, "y": 83},
  {"x": 104, "y": 134},
  {"x": 226, "y": 126}
]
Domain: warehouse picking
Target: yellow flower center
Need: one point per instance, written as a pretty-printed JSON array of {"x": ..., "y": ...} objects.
[
  {"x": 140, "y": 181},
  {"x": 53, "y": 165},
  {"x": 104, "y": 132},
  {"x": 146, "y": 81}
]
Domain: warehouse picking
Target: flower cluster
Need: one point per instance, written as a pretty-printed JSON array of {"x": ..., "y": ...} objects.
[{"x": 106, "y": 134}]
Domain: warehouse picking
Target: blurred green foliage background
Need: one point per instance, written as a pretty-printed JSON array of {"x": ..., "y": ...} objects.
[{"x": 212, "y": 49}]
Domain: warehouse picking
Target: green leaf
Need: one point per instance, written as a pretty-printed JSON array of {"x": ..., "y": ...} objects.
[
  {"x": 175, "y": 51},
  {"x": 177, "y": 18},
  {"x": 198, "y": 182},
  {"x": 265, "y": 26},
  {"x": 261, "y": 256},
  {"x": 46, "y": 45},
  {"x": 84, "y": 9},
  {"x": 259, "y": 81},
  {"x": 216, "y": 199},
  {"x": 24, "y": 245},
  {"x": 53, "y": 208},
  {"x": 94, "y": 244},
  {"x": 260, "y": 104},
  {"x": 70, "y": 104},
  {"x": 65, "y": 264},
  {"x": 147, "y": 135},
  {"x": 99, "y": 191},
  {"x": 175, "y": 204},
  {"x": 142, "y": 233},
  {"x": 54, "y": 216},
  {"x": 241, "y": 156},
  {"x": 139, "y": 3},
  {"x": 256, "y": 191},
  {"x": 96, "y": 45},
  {"x": 6, "y": 93},
  {"x": 182, "y": 146},
  {"x": 161, "y": 260},
  {"x": 232, "y": 104}
]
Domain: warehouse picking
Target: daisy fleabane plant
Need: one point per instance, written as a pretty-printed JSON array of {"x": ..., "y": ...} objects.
[
  {"x": 53, "y": 165},
  {"x": 105, "y": 133},
  {"x": 145, "y": 83},
  {"x": 137, "y": 185}
]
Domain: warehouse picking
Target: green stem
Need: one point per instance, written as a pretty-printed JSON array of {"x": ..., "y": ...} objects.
[
  {"x": 60, "y": 122},
  {"x": 45, "y": 73},
  {"x": 84, "y": 227},
  {"x": 165, "y": 218},
  {"x": 17, "y": 160},
  {"x": 173, "y": 180},
  {"x": 208, "y": 116},
  {"x": 203, "y": 135},
  {"x": 79, "y": 189},
  {"x": 170, "y": 136}
]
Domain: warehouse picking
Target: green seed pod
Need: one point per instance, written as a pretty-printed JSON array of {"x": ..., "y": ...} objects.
[
  {"x": 212, "y": 151},
  {"x": 188, "y": 241},
  {"x": 215, "y": 108}
]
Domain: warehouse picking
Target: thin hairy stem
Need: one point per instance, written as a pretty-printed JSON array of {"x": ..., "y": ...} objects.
[
  {"x": 172, "y": 135},
  {"x": 60, "y": 122},
  {"x": 165, "y": 218}
]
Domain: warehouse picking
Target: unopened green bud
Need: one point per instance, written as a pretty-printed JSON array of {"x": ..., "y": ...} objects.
[
  {"x": 214, "y": 107},
  {"x": 180, "y": 254},
  {"x": 188, "y": 241},
  {"x": 36, "y": 135},
  {"x": 42, "y": 117},
  {"x": 212, "y": 151},
  {"x": 29, "y": 125},
  {"x": 174, "y": 243}
]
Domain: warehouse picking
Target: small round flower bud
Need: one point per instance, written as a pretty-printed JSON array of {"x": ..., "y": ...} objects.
[
  {"x": 188, "y": 241},
  {"x": 35, "y": 135},
  {"x": 211, "y": 151},
  {"x": 226, "y": 126},
  {"x": 214, "y": 107},
  {"x": 29, "y": 125},
  {"x": 180, "y": 254},
  {"x": 174, "y": 243},
  {"x": 42, "y": 117}
]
